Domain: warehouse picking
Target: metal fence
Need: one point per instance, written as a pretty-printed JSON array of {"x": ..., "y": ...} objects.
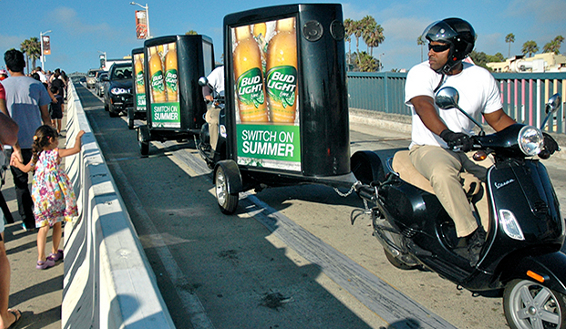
[{"x": 523, "y": 95}]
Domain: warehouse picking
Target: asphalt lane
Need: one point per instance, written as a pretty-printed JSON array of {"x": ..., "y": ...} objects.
[{"x": 245, "y": 272}]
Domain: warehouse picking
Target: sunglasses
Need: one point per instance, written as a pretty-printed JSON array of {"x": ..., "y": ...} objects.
[{"x": 438, "y": 48}]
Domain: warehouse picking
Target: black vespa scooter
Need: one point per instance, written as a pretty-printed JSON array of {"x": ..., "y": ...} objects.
[{"x": 521, "y": 256}]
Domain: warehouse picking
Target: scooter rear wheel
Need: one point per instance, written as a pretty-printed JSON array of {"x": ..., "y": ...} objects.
[{"x": 528, "y": 304}]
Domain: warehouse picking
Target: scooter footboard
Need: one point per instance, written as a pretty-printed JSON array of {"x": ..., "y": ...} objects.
[{"x": 547, "y": 269}]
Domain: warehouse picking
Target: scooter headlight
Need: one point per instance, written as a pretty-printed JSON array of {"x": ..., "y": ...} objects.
[
  {"x": 530, "y": 140},
  {"x": 510, "y": 225}
]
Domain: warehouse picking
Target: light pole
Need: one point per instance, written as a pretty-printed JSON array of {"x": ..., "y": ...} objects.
[
  {"x": 103, "y": 56},
  {"x": 146, "y": 16},
  {"x": 41, "y": 34},
  {"x": 380, "y": 65}
]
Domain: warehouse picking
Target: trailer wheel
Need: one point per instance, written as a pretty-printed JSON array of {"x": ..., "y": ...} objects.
[
  {"x": 225, "y": 195},
  {"x": 528, "y": 304},
  {"x": 143, "y": 139}
]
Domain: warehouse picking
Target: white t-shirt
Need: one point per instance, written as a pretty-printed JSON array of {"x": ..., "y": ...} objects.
[
  {"x": 216, "y": 79},
  {"x": 478, "y": 94}
]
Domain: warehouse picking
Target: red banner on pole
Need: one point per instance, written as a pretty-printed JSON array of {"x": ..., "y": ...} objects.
[
  {"x": 46, "y": 45},
  {"x": 141, "y": 24}
]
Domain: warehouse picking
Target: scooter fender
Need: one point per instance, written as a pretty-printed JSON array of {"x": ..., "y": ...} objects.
[
  {"x": 551, "y": 268},
  {"x": 232, "y": 174}
]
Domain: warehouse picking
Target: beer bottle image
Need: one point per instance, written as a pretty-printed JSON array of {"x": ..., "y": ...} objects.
[
  {"x": 259, "y": 32},
  {"x": 156, "y": 80},
  {"x": 171, "y": 80},
  {"x": 249, "y": 78},
  {"x": 281, "y": 76},
  {"x": 138, "y": 67}
]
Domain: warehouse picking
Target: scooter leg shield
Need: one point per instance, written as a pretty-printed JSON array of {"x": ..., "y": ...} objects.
[{"x": 550, "y": 268}]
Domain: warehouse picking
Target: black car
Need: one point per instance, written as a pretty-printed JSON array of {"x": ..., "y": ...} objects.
[{"x": 118, "y": 91}]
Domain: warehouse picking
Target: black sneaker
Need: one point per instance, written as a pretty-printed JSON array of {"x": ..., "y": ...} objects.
[{"x": 475, "y": 244}]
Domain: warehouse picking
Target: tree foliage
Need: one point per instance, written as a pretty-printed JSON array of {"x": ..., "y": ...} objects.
[
  {"x": 529, "y": 48},
  {"x": 372, "y": 34},
  {"x": 554, "y": 45}
]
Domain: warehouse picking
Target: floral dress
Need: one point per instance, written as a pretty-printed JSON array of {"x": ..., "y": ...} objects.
[{"x": 52, "y": 192}]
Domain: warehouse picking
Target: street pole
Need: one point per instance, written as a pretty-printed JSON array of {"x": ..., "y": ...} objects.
[{"x": 41, "y": 34}]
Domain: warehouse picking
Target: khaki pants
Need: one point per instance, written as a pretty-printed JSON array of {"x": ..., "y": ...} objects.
[
  {"x": 212, "y": 117},
  {"x": 441, "y": 167}
]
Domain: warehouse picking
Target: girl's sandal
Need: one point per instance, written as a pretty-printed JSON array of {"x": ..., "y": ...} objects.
[
  {"x": 42, "y": 265},
  {"x": 56, "y": 257},
  {"x": 17, "y": 316}
]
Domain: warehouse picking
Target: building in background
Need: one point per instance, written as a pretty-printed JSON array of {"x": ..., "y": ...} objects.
[{"x": 547, "y": 62}]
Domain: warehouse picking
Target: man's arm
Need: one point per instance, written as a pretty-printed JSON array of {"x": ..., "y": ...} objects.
[
  {"x": 45, "y": 117},
  {"x": 498, "y": 120},
  {"x": 425, "y": 109},
  {"x": 8, "y": 130}
]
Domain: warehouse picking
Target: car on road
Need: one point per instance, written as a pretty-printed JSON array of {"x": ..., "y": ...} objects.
[
  {"x": 100, "y": 82},
  {"x": 91, "y": 77},
  {"x": 118, "y": 96}
]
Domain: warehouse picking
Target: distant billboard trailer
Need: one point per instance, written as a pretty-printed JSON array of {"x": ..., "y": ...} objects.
[
  {"x": 139, "y": 109},
  {"x": 174, "y": 102}
]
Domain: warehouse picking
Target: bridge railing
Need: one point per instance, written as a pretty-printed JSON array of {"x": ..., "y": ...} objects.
[{"x": 523, "y": 95}]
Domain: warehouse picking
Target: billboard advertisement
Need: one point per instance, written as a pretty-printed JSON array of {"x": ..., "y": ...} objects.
[
  {"x": 164, "y": 82},
  {"x": 265, "y": 87},
  {"x": 139, "y": 82},
  {"x": 46, "y": 45},
  {"x": 141, "y": 24}
]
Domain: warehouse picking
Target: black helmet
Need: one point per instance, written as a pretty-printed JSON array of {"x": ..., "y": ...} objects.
[{"x": 456, "y": 32}]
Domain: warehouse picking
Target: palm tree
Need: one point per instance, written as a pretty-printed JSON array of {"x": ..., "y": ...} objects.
[
  {"x": 366, "y": 62},
  {"x": 510, "y": 38},
  {"x": 34, "y": 50},
  {"x": 24, "y": 46},
  {"x": 530, "y": 47},
  {"x": 358, "y": 30},
  {"x": 348, "y": 24},
  {"x": 421, "y": 42},
  {"x": 554, "y": 45},
  {"x": 368, "y": 24},
  {"x": 373, "y": 36}
]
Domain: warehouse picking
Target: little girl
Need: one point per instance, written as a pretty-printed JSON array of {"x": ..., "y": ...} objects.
[{"x": 52, "y": 193}]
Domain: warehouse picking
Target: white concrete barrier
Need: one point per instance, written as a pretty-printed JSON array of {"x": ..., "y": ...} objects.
[{"x": 108, "y": 280}]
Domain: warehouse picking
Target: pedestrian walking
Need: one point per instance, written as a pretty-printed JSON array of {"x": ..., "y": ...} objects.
[
  {"x": 27, "y": 102},
  {"x": 57, "y": 109},
  {"x": 8, "y": 317},
  {"x": 52, "y": 191}
]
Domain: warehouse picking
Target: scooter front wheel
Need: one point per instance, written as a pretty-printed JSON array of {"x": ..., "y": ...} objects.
[{"x": 528, "y": 304}]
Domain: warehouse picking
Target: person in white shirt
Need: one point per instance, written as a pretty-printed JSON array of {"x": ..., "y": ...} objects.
[
  {"x": 215, "y": 86},
  {"x": 436, "y": 133}
]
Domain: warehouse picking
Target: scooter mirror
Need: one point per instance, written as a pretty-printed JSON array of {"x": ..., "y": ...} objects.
[
  {"x": 203, "y": 81},
  {"x": 551, "y": 106},
  {"x": 553, "y": 103},
  {"x": 447, "y": 98}
]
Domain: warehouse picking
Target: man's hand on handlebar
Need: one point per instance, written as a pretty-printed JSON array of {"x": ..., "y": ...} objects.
[
  {"x": 550, "y": 146},
  {"x": 457, "y": 141}
]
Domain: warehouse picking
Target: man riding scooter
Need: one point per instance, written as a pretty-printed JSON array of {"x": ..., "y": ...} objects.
[
  {"x": 215, "y": 85},
  {"x": 441, "y": 138}
]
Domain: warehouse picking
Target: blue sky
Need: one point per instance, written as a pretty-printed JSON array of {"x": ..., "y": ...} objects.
[{"x": 82, "y": 28}]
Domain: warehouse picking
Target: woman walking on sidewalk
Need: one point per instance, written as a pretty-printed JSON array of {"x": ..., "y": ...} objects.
[{"x": 52, "y": 192}]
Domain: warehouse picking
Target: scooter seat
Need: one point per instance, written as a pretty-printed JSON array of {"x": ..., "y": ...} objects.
[{"x": 404, "y": 167}]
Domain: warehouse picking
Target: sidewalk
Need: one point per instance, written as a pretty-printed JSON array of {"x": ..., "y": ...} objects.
[{"x": 36, "y": 293}]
